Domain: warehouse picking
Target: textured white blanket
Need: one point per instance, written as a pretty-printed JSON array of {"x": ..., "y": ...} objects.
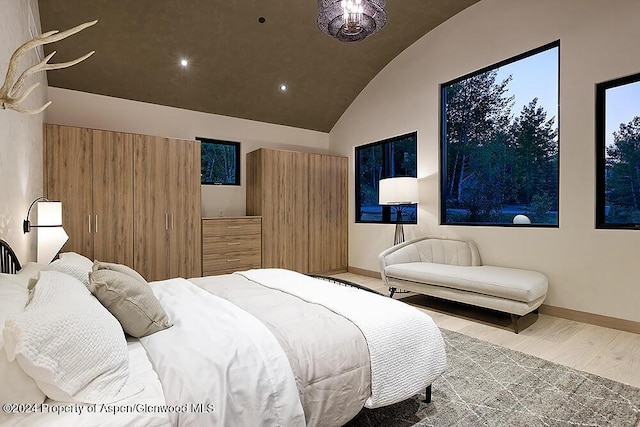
[{"x": 405, "y": 346}]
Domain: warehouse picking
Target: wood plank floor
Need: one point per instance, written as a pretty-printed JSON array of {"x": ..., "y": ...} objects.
[{"x": 609, "y": 353}]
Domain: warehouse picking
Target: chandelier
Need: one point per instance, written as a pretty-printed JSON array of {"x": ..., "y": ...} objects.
[{"x": 351, "y": 20}]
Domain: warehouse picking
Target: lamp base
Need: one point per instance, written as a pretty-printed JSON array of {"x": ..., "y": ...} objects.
[{"x": 399, "y": 236}]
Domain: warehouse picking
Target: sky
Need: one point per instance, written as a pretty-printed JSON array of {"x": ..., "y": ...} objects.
[
  {"x": 535, "y": 76},
  {"x": 623, "y": 104}
]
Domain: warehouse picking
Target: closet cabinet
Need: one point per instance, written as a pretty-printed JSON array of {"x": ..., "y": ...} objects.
[
  {"x": 126, "y": 198},
  {"x": 90, "y": 172},
  {"x": 277, "y": 185},
  {"x": 167, "y": 200},
  {"x": 328, "y": 228},
  {"x": 301, "y": 198}
]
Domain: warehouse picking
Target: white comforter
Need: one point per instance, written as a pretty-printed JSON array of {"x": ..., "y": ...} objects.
[
  {"x": 406, "y": 348},
  {"x": 219, "y": 363}
]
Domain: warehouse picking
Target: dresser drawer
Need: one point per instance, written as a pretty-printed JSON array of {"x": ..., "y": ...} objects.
[
  {"x": 221, "y": 245},
  {"x": 231, "y": 226},
  {"x": 230, "y": 263}
]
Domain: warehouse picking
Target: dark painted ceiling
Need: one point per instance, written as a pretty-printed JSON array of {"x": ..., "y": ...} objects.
[{"x": 236, "y": 64}]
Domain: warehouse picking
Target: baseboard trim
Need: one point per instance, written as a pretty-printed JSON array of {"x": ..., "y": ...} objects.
[
  {"x": 363, "y": 272},
  {"x": 592, "y": 319},
  {"x": 563, "y": 313}
]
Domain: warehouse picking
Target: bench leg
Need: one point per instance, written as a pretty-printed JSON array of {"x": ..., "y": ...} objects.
[
  {"x": 393, "y": 291},
  {"x": 514, "y": 319},
  {"x": 427, "y": 396}
]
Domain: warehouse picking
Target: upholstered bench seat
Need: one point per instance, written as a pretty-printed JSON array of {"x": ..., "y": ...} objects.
[{"x": 451, "y": 269}]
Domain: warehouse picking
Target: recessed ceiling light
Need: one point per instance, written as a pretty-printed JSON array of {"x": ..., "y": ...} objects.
[
  {"x": 184, "y": 62},
  {"x": 283, "y": 87}
]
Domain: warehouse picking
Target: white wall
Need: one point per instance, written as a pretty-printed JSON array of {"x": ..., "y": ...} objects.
[
  {"x": 75, "y": 108},
  {"x": 20, "y": 134},
  {"x": 590, "y": 270}
]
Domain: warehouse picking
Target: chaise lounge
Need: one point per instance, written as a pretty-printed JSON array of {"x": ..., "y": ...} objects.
[{"x": 451, "y": 269}]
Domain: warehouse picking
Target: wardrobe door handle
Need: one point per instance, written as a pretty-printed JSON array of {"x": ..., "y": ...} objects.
[
  {"x": 166, "y": 220},
  {"x": 172, "y": 220},
  {"x": 89, "y": 223},
  {"x": 96, "y": 224}
]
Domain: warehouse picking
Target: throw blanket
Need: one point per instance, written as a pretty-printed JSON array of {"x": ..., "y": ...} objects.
[
  {"x": 405, "y": 346},
  {"x": 220, "y": 363}
]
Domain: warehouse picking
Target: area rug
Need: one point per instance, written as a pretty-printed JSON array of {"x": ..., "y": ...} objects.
[{"x": 489, "y": 385}]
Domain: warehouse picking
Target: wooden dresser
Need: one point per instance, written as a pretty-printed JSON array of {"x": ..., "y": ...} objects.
[{"x": 231, "y": 244}]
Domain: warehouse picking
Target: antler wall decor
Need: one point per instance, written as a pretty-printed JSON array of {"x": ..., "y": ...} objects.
[{"x": 10, "y": 96}]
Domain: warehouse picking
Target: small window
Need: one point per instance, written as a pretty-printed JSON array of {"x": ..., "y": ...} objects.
[
  {"x": 618, "y": 153},
  {"x": 393, "y": 157},
  {"x": 499, "y": 130},
  {"x": 220, "y": 162}
]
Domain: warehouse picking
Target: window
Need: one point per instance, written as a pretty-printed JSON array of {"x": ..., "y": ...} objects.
[
  {"x": 390, "y": 158},
  {"x": 618, "y": 153},
  {"x": 220, "y": 162},
  {"x": 499, "y": 137}
]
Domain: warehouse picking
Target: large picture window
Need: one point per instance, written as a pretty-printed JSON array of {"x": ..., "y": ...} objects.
[
  {"x": 499, "y": 136},
  {"x": 393, "y": 157},
  {"x": 220, "y": 162},
  {"x": 618, "y": 153}
]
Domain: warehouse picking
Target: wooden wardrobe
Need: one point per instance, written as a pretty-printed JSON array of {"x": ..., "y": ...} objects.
[
  {"x": 302, "y": 199},
  {"x": 126, "y": 198}
]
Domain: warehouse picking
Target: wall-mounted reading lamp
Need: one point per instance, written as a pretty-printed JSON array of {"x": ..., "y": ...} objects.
[{"x": 51, "y": 235}]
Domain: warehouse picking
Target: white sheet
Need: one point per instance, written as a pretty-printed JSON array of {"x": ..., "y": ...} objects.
[
  {"x": 141, "y": 406},
  {"x": 220, "y": 356},
  {"x": 406, "y": 348}
]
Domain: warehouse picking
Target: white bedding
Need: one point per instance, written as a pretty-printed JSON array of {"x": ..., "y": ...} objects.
[
  {"x": 143, "y": 408},
  {"x": 221, "y": 357},
  {"x": 405, "y": 346}
]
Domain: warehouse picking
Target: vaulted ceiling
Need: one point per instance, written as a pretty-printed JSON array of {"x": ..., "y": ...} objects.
[{"x": 236, "y": 63}]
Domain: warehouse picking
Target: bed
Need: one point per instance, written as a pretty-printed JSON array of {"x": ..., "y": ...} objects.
[{"x": 263, "y": 347}]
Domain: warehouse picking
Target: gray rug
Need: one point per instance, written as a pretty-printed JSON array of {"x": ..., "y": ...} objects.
[{"x": 489, "y": 385}]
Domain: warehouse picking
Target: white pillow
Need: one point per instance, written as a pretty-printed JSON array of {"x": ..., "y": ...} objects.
[
  {"x": 72, "y": 347},
  {"x": 22, "y": 277},
  {"x": 70, "y": 269},
  {"x": 23, "y": 388},
  {"x": 77, "y": 260}
]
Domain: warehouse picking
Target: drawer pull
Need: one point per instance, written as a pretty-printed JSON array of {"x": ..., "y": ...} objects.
[
  {"x": 233, "y": 260},
  {"x": 234, "y": 226},
  {"x": 233, "y": 243}
]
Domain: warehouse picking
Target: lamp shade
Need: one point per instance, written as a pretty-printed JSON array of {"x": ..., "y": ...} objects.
[
  {"x": 398, "y": 191},
  {"x": 49, "y": 214},
  {"x": 50, "y": 241}
]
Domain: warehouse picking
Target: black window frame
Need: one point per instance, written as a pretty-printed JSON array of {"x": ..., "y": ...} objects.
[
  {"x": 235, "y": 145},
  {"x": 386, "y": 173},
  {"x": 443, "y": 143},
  {"x": 601, "y": 158}
]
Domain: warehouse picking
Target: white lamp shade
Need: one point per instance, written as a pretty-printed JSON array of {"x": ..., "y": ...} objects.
[
  {"x": 50, "y": 241},
  {"x": 49, "y": 214},
  {"x": 398, "y": 191}
]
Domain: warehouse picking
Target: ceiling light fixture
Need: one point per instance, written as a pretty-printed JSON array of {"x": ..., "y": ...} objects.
[
  {"x": 283, "y": 88},
  {"x": 351, "y": 20},
  {"x": 184, "y": 62}
]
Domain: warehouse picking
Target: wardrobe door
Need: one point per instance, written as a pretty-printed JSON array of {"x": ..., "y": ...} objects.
[
  {"x": 267, "y": 198},
  {"x": 184, "y": 209},
  {"x": 67, "y": 159},
  {"x": 113, "y": 197},
  {"x": 151, "y": 218},
  {"x": 297, "y": 196},
  {"x": 327, "y": 216}
]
